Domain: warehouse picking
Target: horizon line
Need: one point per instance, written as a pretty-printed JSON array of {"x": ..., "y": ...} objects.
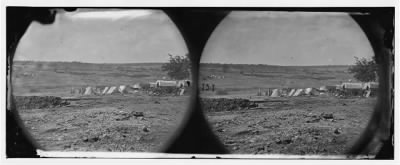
[
  {"x": 280, "y": 65},
  {"x": 85, "y": 62},
  {"x": 167, "y": 62}
]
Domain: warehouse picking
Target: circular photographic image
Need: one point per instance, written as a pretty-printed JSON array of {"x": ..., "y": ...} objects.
[
  {"x": 297, "y": 83},
  {"x": 102, "y": 80}
]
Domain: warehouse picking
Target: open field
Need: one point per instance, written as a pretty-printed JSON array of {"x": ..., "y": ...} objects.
[
  {"x": 240, "y": 78},
  {"x": 57, "y": 78},
  {"x": 130, "y": 122}
]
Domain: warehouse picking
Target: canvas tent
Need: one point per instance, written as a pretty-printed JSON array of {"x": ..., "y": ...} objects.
[
  {"x": 311, "y": 91},
  {"x": 348, "y": 85},
  {"x": 292, "y": 92},
  {"x": 122, "y": 89},
  {"x": 307, "y": 91},
  {"x": 323, "y": 89},
  {"x": 298, "y": 92},
  {"x": 105, "y": 90},
  {"x": 163, "y": 83},
  {"x": 112, "y": 90},
  {"x": 88, "y": 91},
  {"x": 352, "y": 89},
  {"x": 275, "y": 93},
  {"x": 136, "y": 86}
]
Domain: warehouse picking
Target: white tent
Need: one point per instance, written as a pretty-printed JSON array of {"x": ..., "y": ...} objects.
[
  {"x": 131, "y": 89},
  {"x": 105, "y": 90},
  {"x": 163, "y": 83},
  {"x": 291, "y": 92},
  {"x": 352, "y": 85},
  {"x": 136, "y": 86},
  {"x": 323, "y": 89},
  {"x": 88, "y": 91},
  {"x": 112, "y": 90},
  {"x": 311, "y": 91},
  {"x": 307, "y": 91},
  {"x": 298, "y": 92},
  {"x": 275, "y": 93},
  {"x": 122, "y": 89}
]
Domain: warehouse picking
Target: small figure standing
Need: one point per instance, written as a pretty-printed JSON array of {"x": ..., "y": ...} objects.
[{"x": 213, "y": 87}]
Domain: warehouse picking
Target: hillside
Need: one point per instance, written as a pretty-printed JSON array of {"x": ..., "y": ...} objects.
[
  {"x": 248, "y": 78},
  {"x": 57, "y": 78}
]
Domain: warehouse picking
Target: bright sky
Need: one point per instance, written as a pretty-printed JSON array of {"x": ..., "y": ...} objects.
[
  {"x": 106, "y": 36},
  {"x": 287, "y": 38}
]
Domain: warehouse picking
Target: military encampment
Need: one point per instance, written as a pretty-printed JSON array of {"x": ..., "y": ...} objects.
[{"x": 263, "y": 82}]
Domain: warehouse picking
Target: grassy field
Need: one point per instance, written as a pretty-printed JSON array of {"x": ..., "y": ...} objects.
[
  {"x": 57, "y": 78},
  {"x": 239, "y": 78}
]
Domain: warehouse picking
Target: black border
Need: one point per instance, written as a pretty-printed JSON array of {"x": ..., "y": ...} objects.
[{"x": 196, "y": 25}]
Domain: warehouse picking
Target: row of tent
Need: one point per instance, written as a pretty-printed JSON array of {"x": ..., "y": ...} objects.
[
  {"x": 291, "y": 92},
  {"x": 122, "y": 89},
  {"x": 359, "y": 85},
  {"x": 367, "y": 87},
  {"x": 165, "y": 83},
  {"x": 350, "y": 85}
]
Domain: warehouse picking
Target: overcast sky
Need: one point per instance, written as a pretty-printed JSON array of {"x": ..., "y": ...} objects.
[
  {"x": 107, "y": 36},
  {"x": 287, "y": 38}
]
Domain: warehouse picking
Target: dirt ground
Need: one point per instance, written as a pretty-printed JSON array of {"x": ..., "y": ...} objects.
[
  {"x": 296, "y": 125},
  {"x": 106, "y": 123}
]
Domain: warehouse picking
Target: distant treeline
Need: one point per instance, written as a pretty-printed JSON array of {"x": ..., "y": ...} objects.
[
  {"x": 268, "y": 65},
  {"x": 77, "y": 62}
]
